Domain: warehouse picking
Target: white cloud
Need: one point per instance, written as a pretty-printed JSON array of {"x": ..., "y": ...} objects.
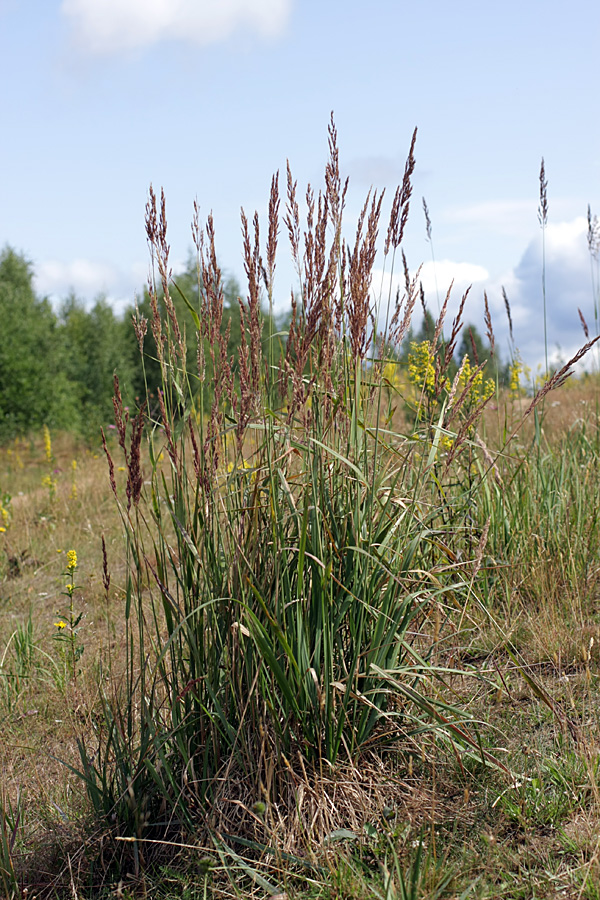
[
  {"x": 459, "y": 275},
  {"x": 110, "y": 26},
  {"x": 436, "y": 281},
  {"x": 90, "y": 279},
  {"x": 568, "y": 287}
]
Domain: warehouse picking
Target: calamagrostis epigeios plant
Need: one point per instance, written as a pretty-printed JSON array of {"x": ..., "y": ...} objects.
[{"x": 286, "y": 554}]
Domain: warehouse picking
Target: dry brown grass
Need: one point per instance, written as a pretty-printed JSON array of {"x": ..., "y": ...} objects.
[{"x": 44, "y": 719}]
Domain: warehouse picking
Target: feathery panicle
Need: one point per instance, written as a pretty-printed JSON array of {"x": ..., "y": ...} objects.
[
  {"x": 140, "y": 327},
  {"x": 441, "y": 318},
  {"x": 487, "y": 318},
  {"x": 160, "y": 338},
  {"x": 211, "y": 314},
  {"x": 135, "y": 478},
  {"x": 212, "y": 286},
  {"x": 427, "y": 220},
  {"x": 253, "y": 268},
  {"x": 508, "y": 313},
  {"x": 111, "y": 465},
  {"x": 394, "y": 218},
  {"x": 584, "y": 325},
  {"x": 105, "y": 571},
  {"x": 401, "y": 203},
  {"x": 409, "y": 168},
  {"x": 457, "y": 325},
  {"x": 273, "y": 232},
  {"x": 156, "y": 232},
  {"x": 151, "y": 222},
  {"x": 422, "y": 298},
  {"x": 335, "y": 198},
  {"x": 360, "y": 271},
  {"x": 593, "y": 234},
  {"x": 312, "y": 331},
  {"x": 317, "y": 288},
  {"x": 292, "y": 217},
  {"x": 335, "y": 191},
  {"x": 162, "y": 246},
  {"x": 196, "y": 230},
  {"x": 399, "y": 328},
  {"x": 407, "y": 279},
  {"x": 543, "y": 207}
]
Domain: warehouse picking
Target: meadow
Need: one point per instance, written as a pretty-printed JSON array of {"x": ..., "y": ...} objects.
[{"x": 317, "y": 621}]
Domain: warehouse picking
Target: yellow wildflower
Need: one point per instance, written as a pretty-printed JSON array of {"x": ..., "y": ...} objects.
[
  {"x": 517, "y": 369},
  {"x": 391, "y": 374},
  {"x": 480, "y": 389},
  {"x": 60, "y": 625},
  {"x": 71, "y": 559},
  {"x": 47, "y": 444},
  {"x": 421, "y": 366},
  {"x": 515, "y": 373}
]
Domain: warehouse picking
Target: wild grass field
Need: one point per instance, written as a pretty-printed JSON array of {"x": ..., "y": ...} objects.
[{"x": 320, "y": 621}]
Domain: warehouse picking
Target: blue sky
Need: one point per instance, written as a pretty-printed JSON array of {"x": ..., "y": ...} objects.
[{"x": 209, "y": 97}]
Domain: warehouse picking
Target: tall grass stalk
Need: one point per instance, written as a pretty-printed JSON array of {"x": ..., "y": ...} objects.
[
  {"x": 543, "y": 220},
  {"x": 593, "y": 241},
  {"x": 429, "y": 232}
]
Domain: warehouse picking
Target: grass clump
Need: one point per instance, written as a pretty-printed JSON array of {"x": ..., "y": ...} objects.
[{"x": 293, "y": 559}]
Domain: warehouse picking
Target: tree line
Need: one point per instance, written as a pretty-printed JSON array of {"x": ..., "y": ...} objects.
[{"x": 57, "y": 365}]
